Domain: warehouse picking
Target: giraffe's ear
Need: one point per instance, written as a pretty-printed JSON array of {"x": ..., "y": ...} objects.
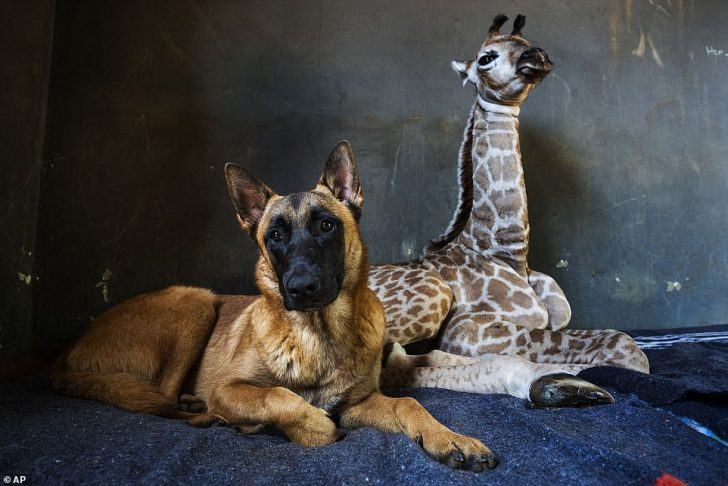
[
  {"x": 341, "y": 175},
  {"x": 462, "y": 68}
]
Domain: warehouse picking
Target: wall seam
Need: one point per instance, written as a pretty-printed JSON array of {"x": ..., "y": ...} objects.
[{"x": 41, "y": 157}]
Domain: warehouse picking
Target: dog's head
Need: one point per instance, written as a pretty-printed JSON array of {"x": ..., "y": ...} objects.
[{"x": 309, "y": 241}]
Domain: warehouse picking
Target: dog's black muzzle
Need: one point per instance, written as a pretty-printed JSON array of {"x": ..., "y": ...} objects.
[{"x": 306, "y": 287}]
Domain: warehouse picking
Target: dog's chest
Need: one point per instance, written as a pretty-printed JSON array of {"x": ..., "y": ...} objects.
[
  {"x": 317, "y": 379},
  {"x": 322, "y": 399},
  {"x": 325, "y": 389},
  {"x": 319, "y": 371}
]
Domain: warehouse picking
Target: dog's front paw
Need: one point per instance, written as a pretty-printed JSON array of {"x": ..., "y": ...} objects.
[
  {"x": 312, "y": 428},
  {"x": 192, "y": 403},
  {"x": 204, "y": 420},
  {"x": 459, "y": 451}
]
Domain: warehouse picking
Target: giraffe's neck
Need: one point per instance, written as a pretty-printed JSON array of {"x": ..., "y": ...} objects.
[{"x": 498, "y": 222}]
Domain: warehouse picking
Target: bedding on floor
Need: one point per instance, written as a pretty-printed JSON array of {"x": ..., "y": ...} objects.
[{"x": 670, "y": 422}]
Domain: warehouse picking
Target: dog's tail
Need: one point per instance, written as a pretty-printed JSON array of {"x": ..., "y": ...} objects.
[{"x": 122, "y": 390}]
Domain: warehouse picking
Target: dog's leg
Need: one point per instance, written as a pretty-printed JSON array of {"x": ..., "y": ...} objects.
[
  {"x": 192, "y": 403},
  {"x": 124, "y": 390},
  {"x": 194, "y": 329},
  {"x": 407, "y": 416},
  {"x": 542, "y": 384},
  {"x": 202, "y": 420},
  {"x": 245, "y": 405},
  {"x": 137, "y": 355}
]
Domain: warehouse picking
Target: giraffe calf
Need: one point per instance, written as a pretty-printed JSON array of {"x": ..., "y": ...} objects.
[{"x": 495, "y": 303}]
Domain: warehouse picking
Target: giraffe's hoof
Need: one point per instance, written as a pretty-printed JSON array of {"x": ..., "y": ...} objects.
[{"x": 565, "y": 390}]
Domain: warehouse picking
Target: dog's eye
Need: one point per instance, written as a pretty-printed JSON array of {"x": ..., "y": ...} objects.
[
  {"x": 487, "y": 58},
  {"x": 275, "y": 235},
  {"x": 327, "y": 225}
]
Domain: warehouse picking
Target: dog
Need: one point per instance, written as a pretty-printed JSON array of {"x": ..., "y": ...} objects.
[{"x": 306, "y": 350}]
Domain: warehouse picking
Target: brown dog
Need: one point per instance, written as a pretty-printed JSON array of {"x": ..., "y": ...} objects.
[{"x": 309, "y": 346}]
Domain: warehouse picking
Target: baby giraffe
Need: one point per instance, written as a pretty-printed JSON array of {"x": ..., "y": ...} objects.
[{"x": 474, "y": 285}]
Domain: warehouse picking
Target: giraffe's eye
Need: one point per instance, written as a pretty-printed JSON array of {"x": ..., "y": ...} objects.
[{"x": 487, "y": 58}]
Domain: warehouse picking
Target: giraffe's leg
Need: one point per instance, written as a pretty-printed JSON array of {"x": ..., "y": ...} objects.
[
  {"x": 552, "y": 297},
  {"x": 547, "y": 385},
  {"x": 476, "y": 335},
  {"x": 415, "y": 299},
  {"x": 398, "y": 358}
]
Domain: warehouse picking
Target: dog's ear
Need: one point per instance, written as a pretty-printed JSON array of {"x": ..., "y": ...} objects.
[
  {"x": 249, "y": 195},
  {"x": 341, "y": 176}
]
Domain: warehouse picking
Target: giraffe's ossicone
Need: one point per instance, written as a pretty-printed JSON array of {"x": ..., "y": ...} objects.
[{"x": 473, "y": 284}]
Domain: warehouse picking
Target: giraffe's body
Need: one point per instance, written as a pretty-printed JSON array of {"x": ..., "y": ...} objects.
[{"x": 474, "y": 285}]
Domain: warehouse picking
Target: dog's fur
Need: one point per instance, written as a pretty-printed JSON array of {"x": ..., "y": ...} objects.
[{"x": 278, "y": 358}]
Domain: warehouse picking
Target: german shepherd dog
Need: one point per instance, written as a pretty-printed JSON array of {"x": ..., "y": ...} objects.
[{"x": 307, "y": 349}]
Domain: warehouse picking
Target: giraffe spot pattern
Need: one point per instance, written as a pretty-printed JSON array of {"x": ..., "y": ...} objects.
[{"x": 479, "y": 287}]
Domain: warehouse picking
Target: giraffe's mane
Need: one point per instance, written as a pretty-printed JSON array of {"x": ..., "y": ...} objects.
[{"x": 465, "y": 193}]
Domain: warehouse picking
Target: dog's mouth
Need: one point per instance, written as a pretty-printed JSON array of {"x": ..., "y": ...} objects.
[
  {"x": 312, "y": 308},
  {"x": 307, "y": 305}
]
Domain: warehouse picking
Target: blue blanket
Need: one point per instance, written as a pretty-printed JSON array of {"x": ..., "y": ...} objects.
[
  {"x": 53, "y": 439},
  {"x": 689, "y": 374}
]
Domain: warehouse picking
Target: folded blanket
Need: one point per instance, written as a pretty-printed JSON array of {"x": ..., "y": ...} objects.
[
  {"x": 663, "y": 339},
  {"x": 689, "y": 374}
]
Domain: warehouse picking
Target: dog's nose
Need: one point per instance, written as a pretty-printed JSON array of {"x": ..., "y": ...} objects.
[{"x": 303, "y": 284}]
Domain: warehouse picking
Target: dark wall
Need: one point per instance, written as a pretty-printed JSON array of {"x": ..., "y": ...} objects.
[
  {"x": 624, "y": 145},
  {"x": 25, "y": 45}
]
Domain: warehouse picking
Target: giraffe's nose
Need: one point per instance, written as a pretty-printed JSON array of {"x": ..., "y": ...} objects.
[
  {"x": 534, "y": 64},
  {"x": 535, "y": 55}
]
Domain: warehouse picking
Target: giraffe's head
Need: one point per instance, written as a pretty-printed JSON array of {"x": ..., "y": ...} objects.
[{"x": 506, "y": 67}]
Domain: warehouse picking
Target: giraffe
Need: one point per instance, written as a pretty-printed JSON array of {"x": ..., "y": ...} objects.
[{"x": 473, "y": 285}]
